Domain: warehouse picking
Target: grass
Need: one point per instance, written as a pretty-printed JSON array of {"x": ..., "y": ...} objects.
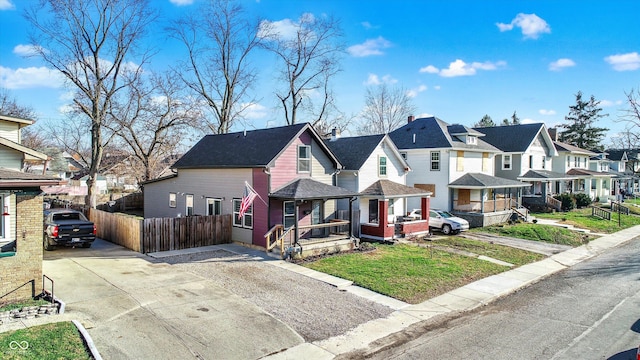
[
  {"x": 538, "y": 232},
  {"x": 505, "y": 253},
  {"x": 582, "y": 218},
  {"x": 409, "y": 273},
  {"x": 60, "y": 340},
  {"x": 21, "y": 304}
]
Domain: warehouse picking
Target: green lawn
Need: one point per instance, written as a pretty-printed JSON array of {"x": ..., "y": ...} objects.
[
  {"x": 505, "y": 253},
  {"x": 538, "y": 232},
  {"x": 53, "y": 341},
  {"x": 582, "y": 218},
  {"x": 406, "y": 272}
]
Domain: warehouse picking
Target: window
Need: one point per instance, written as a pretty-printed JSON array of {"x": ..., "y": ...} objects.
[
  {"x": 530, "y": 161},
  {"x": 460, "y": 161},
  {"x": 373, "y": 211},
  {"x": 390, "y": 208},
  {"x": 382, "y": 166},
  {"x": 506, "y": 162},
  {"x": 172, "y": 200},
  {"x": 246, "y": 221},
  {"x": 214, "y": 207},
  {"x": 289, "y": 214},
  {"x": 568, "y": 161},
  {"x": 435, "y": 161},
  {"x": 304, "y": 158},
  {"x": 189, "y": 205},
  {"x": 485, "y": 162},
  {"x": 576, "y": 161}
]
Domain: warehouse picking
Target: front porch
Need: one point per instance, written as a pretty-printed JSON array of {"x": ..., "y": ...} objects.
[{"x": 544, "y": 184}]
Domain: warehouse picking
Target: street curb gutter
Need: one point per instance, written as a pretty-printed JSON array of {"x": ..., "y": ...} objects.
[
  {"x": 466, "y": 298},
  {"x": 87, "y": 340}
]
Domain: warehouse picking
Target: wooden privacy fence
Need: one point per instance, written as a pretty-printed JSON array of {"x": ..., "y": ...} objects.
[{"x": 161, "y": 234}]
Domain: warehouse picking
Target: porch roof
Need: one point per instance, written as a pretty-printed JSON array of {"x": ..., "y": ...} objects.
[
  {"x": 308, "y": 189},
  {"x": 542, "y": 175},
  {"x": 588, "y": 173},
  {"x": 12, "y": 179},
  {"x": 484, "y": 181},
  {"x": 387, "y": 189}
]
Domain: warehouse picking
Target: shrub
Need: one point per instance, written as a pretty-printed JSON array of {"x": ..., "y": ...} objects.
[
  {"x": 582, "y": 200},
  {"x": 568, "y": 202}
]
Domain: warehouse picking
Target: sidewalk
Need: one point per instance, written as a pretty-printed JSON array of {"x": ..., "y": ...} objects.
[{"x": 466, "y": 298}]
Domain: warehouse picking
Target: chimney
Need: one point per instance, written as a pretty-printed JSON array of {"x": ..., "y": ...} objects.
[
  {"x": 554, "y": 134},
  {"x": 335, "y": 134},
  {"x": 410, "y": 119}
]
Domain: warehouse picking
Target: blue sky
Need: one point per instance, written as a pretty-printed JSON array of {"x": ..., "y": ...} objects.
[{"x": 459, "y": 60}]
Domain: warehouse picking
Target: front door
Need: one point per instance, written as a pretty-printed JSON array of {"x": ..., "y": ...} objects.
[{"x": 316, "y": 217}]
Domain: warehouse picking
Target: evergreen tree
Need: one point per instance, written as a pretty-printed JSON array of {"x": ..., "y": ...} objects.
[
  {"x": 515, "y": 120},
  {"x": 580, "y": 130},
  {"x": 486, "y": 121}
]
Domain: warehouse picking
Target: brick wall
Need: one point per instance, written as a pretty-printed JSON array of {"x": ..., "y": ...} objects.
[{"x": 26, "y": 266}]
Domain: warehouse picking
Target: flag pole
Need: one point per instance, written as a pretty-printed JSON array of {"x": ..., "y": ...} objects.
[{"x": 259, "y": 197}]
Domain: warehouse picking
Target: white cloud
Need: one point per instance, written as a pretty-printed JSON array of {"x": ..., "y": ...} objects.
[
  {"x": 532, "y": 25},
  {"x": 6, "y": 5},
  {"x": 374, "y": 79},
  {"x": 546, "y": 112},
  {"x": 25, "y": 50},
  {"x": 624, "y": 62},
  {"x": 415, "y": 91},
  {"x": 253, "y": 111},
  {"x": 437, "y": 87},
  {"x": 369, "y": 47},
  {"x": 561, "y": 64},
  {"x": 286, "y": 28},
  {"x": 181, "y": 2},
  {"x": 367, "y": 25},
  {"x": 609, "y": 103},
  {"x": 461, "y": 68},
  {"x": 31, "y": 77}
]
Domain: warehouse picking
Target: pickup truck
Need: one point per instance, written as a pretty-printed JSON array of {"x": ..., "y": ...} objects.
[{"x": 66, "y": 227}]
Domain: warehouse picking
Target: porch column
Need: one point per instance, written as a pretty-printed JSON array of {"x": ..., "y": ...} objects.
[
  {"x": 351, "y": 200},
  {"x": 296, "y": 234},
  {"x": 482, "y": 201},
  {"x": 425, "y": 207},
  {"x": 495, "y": 204},
  {"x": 383, "y": 206}
]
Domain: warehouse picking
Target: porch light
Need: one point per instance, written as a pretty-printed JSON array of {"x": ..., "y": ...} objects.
[{"x": 6, "y": 211}]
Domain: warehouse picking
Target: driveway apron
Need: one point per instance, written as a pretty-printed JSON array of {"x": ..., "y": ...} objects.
[{"x": 136, "y": 308}]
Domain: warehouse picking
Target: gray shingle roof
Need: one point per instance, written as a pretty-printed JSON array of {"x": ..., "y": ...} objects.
[
  {"x": 306, "y": 189},
  {"x": 352, "y": 152},
  {"x": 544, "y": 175},
  {"x": 511, "y": 138},
  {"x": 431, "y": 132},
  {"x": 255, "y": 148},
  {"x": 479, "y": 180},
  {"x": 563, "y": 147},
  {"x": 390, "y": 189},
  {"x": 18, "y": 179}
]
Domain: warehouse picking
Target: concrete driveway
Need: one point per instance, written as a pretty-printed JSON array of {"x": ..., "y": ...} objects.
[{"x": 137, "y": 308}]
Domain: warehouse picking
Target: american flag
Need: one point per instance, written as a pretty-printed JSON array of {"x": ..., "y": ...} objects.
[{"x": 247, "y": 200}]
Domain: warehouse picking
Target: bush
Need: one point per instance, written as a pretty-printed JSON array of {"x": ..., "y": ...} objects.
[
  {"x": 582, "y": 200},
  {"x": 568, "y": 202}
]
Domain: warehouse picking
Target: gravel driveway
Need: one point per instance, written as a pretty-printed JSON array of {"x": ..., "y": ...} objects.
[{"x": 314, "y": 309}]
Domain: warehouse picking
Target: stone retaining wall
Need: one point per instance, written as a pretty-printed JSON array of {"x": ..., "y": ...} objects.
[{"x": 28, "y": 312}]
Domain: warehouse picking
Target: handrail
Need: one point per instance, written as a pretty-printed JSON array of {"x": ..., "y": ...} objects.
[
  {"x": 557, "y": 204},
  {"x": 324, "y": 225},
  {"x": 617, "y": 207},
  {"x": 44, "y": 290},
  {"x": 600, "y": 212},
  {"x": 277, "y": 229}
]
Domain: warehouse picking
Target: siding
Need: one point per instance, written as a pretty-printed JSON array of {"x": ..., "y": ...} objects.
[
  {"x": 10, "y": 130},
  {"x": 260, "y": 209},
  {"x": 10, "y": 158},
  {"x": 420, "y": 162}
]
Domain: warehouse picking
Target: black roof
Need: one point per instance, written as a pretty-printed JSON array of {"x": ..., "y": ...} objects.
[
  {"x": 255, "y": 148},
  {"x": 431, "y": 132},
  {"x": 306, "y": 189},
  {"x": 389, "y": 189},
  {"x": 544, "y": 175},
  {"x": 615, "y": 154},
  {"x": 511, "y": 138},
  {"x": 352, "y": 152},
  {"x": 479, "y": 180}
]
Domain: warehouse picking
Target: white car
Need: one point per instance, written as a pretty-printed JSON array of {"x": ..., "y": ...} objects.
[{"x": 446, "y": 222}]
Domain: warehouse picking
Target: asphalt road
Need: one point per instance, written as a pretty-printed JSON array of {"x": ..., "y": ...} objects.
[{"x": 590, "y": 311}]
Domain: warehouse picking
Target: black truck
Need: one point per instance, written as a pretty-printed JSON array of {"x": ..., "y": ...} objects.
[{"x": 66, "y": 227}]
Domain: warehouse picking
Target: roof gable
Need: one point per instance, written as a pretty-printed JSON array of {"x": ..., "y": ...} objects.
[
  {"x": 245, "y": 149},
  {"x": 563, "y": 147},
  {"x": 516, "y": 138},
  {"x": 353, "y": 152}
]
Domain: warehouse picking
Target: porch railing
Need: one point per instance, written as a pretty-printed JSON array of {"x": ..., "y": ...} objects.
[
  {"x": 553, "y": 202},
  {"x": 279, "y": 236}
]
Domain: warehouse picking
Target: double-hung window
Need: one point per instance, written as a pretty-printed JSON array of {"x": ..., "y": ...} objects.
[
  {"x": 304, "y": 158},
  {"x": 189, "y": 205},
  {"x": 289, "y": 214},
  {"x": 506, "y": 162},
  {"x": 172, "y": 200},
  {"x": 382, "y": 166},
  {"x": 373, "y": 211},
  {"x": 435, "y": 161},
  {"x": 246, "y": 220},
  {"x": 214, "y": 207}
]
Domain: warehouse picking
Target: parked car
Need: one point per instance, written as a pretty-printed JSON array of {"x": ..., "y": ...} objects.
[
  {"x": 66, "y": 227},
  {"x": 446, "y": 222}
]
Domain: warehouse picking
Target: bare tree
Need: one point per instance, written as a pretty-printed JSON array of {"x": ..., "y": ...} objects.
[
  {"x": 219, "y": 40},
  {"x": 630, "y": 137},
  {"x": 93, "y": 44},
  {"x": 151, "y": 119},
  {"x": 309, "y": 60},
  {"x": 385, "y": 109},
  {"x": 10, "y": 107}
]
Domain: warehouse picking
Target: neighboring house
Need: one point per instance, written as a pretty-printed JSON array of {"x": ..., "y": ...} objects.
[
  {"x": 457, "y": 167},
  {"x": 623, "y": 164},
  {"x": 119, "y": 172},
  {"x": 374, "y": 168},
  {"x": 527, "y": 155},
  {"x": 601, "y": 177},
  {"x": 21, "y": 218},
  {"x": 291, "y": 169}
]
